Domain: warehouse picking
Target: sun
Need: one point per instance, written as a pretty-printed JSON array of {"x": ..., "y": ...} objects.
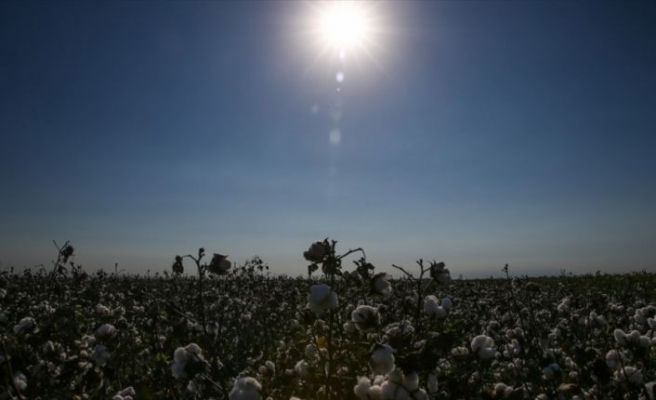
[
  {"x": 335, "y": 33},
  {"x": 344, "y": 25}
]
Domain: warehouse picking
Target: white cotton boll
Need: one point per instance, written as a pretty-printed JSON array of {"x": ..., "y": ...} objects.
[
  {"x": 387, "y": 390},
  {"x": 26, "y": 325},
  {"x": 392, "y": 391},
  {"x": 180, "y": 355},
  {"x": 631, "y": 374},
  {"x": 366, "y": 317},
  {"x": 433, "y": 310},
  {"x": 484, "y": 347},
  {"x": 396, "y": 376},
  {"x": 20, "y": 381},
  {"x": 446, "y": 303},
  {"x": 102, "y": 310},
  {"x": 246, "y": 388},
  {"x": 100, "y": 355},
  {"x": 194, "y": 349},
  {"x": 270, "y": 366},
  {"x": 128, "y": 391},
  {"x": 362, "y": 388},
  {"x": 620, "y": 337},
  {"x": 563, "y": 307},
  {"x": 411, "y": 382},
  {"x": 652, "y": 323},
  {"x": 430, "y": 303},
  {"x": 420, "y": 395},
  {"x": 500, "y": 388},
  {"x": 487, "y": 353},
  {"x": 633, "y": 337},
  {"x": 459, "y": 351},
  {"x": 321, "y": 298},
  {"x": 349, "y": 327},
  {"x": 381, "y": 285},
  {"x": 649, "y": 391},
  {"x": 192, "y": 353},
  {"x": 480, "y": 342},
  {"x": 375, "y": 393},
  {"x": 311, "y": 351},
  {"x": 382, "y": 359},
  {"x": 644, "y": 341},
  {"x": 302, "y": 368},
  {"x": 378, "y": 380},
  {"x": 105, "y": 332},
  {"x": 614, "y": 359}
]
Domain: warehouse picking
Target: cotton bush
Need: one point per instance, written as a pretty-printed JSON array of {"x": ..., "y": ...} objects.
[{"x": 335, "y": 332}]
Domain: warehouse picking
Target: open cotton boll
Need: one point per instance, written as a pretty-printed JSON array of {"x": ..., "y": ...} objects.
[
  {"x": 375, "y": 393},
  {"x": 302, "y": 368},
  {"x": 483, "y": 346},
  {"x": 501, "y": 390},
  {"x": 631, "y": 374},
  {"x": 26, "y": 325},
  {"x": 105, "y": 332},
  {"x": 432, "y": 308},
  {"x": 615, "y": 359},
  {"x": 246, "y": 388},
  {"x": 317, "y": 251},
  {"x": 649, "y": 391},
  {"x": 651, "y": 322},
  {"x": 620, "y": 337},
  {"x": 20, "y": 381},
  {"x": 382, "y": 359},
  {"x": 100, "y": 355},
  {"x": 321, "y": 298},
  {"x": 446, "y": 303},
  {"x": 380, "y": 286},
  {"x": 366, "y": 317},
  {"x": 362, "y": 388},
  {"x": 186, "y": 359}
]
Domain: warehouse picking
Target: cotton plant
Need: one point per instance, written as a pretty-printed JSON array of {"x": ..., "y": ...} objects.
[{"x": 263, "y": 328}]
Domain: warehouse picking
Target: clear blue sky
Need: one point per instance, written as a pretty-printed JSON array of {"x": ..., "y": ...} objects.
[{"x": 477, "y": 132}]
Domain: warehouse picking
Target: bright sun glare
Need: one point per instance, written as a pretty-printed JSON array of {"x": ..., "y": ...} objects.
[{"x": 344, "y": 25}]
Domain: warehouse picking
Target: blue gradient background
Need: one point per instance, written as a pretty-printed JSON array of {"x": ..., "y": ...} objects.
[{"x": 481, "y": 133}]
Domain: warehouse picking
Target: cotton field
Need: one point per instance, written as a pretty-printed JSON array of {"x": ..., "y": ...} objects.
[{"x": 204, "y": 328}]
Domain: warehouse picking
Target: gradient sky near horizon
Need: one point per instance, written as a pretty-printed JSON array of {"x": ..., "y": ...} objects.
[{"x": 475, "y": 132}]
